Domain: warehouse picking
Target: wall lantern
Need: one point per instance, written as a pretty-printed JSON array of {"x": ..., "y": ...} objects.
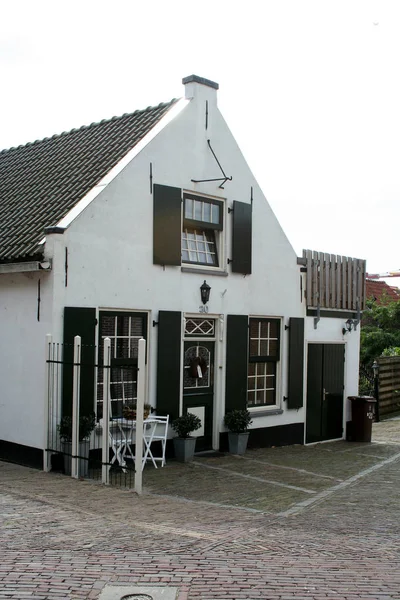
[
  {"x": 205, "y": 290},
  {"x": 348, "y": 326}
]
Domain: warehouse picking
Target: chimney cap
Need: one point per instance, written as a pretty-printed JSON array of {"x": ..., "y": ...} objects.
[{"x": 202, "y": 80}]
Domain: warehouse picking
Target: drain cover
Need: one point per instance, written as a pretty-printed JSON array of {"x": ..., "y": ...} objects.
[
  {"x": 137, "y": 597},
  {"x": 136, "y": 592}
]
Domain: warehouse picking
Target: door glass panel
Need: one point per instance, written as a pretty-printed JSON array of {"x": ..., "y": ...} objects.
[{"x": 196, "y": 372}]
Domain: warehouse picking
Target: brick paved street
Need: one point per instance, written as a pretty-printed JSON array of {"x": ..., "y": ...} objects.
[{"x": 317, "y": 523}]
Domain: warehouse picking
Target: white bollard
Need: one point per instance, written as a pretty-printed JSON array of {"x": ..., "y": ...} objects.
[
  {"x": 105, "y": 459},
  {"x": 141, "y": 382},
  {"x": 76, "y": 391}
]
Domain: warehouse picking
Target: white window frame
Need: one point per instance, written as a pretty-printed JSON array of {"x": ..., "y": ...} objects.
[{"x": 219, "y": 233}]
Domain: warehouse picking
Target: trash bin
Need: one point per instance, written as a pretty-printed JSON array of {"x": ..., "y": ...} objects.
[{"x": 362, "y": 415}]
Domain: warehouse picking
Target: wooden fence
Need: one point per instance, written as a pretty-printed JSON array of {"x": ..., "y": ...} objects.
[
  {"x": 334, "y": 281},
  {"x": 389, "y": 384}
]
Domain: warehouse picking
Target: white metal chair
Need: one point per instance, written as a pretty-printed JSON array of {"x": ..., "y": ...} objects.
[{"x": 156, "y": 431}]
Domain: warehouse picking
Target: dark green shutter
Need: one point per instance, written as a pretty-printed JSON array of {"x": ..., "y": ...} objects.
[
  {"x": 296, "y": 362},
  {"x": 79, "y": 321},
  {"x": 167, "y": 225},
  {"x": 241, "y": 238},
  {"x": 169, "y": 363},
  {"x": 237, "y": 333}
]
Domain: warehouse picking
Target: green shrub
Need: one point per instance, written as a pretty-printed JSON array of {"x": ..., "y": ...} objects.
[
  {"x": 185, "y": 424},
  {"x": 86, "y": 425},
  {"x": 238, "y": 421}
]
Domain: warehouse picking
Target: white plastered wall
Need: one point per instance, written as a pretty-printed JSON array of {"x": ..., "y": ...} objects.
[
  {"x": 22, "y": 361},
  {"x": 110, "y": 244}
]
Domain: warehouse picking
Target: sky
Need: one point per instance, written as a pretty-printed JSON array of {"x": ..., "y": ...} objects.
[{"x": 309, "y": 88}]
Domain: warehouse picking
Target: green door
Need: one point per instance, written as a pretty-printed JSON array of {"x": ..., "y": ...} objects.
[
  {"x": 198, "y": 388},
  {"x": 325, "y": 385}
]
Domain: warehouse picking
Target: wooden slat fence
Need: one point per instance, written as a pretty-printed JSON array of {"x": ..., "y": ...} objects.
[
  {"x": 336, "y": 282},
  {"x": 389, "y": 384}
]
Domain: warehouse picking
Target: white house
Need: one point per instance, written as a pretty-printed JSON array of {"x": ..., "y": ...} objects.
[{"x": 110, "y": 230}]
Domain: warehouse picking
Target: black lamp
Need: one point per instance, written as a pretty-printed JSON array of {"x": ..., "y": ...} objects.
[
  {"x": 348, "y": 326},
  {"x": 205, "y": 292}
]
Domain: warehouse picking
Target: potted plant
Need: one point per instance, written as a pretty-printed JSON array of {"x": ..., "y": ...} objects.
[
  {"x": 237, "y": 421},
  {"x": 87, "y": 424},
  {"x": 129, "y": 411},
  {"x": 184, "y": 444}
]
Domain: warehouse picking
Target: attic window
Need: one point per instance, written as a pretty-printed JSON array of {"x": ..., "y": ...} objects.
[{"x": 202, "y": 230}]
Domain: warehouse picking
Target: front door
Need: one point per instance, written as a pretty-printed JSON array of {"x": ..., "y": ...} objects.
[
  {"x": 198, "y": 388},
  {"x": 325, "y": 385}
]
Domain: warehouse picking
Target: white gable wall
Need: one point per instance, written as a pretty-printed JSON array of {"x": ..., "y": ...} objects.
[
  {"x": 110, "y": 245},
  {"x": 22, "y": 362}
]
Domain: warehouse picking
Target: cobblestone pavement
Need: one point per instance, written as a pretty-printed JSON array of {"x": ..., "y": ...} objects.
[{"x": 317, "y": 522}]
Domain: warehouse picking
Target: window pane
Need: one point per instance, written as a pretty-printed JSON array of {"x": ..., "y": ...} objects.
[
  {"x": 253, "y": 347},
  {"x": 274, "y": 329},
  {"x": 254, "y": 328},
  {"x": 264, "y": 338},
  {"x": 260, "y": 397},
  {"x": 201, "y": 246},
  {"x": 188, "y": 208},
  {"x": 270, "y": 368},
  {"x": 215, "y": 214},
  {"x": 261, "y": 383},
  {"x": 264, "y": 328},
  {"x": 269, "y": 397},
  {"x": 207, "y": 212},
  {"x": 197, "y": 210},
  {"x": 273, "y": 348}
]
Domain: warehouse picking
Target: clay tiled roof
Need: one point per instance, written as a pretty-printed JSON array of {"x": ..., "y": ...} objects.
[
  {"x": 40, "y": 182},
  {"x": 380, "y": 291}
]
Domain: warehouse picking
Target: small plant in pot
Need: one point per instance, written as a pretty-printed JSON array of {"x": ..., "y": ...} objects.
[
  {"x": 184, "y": 444},
  {"x": 237, "y": 421},
  {"x": 129, "y": 411},
  {"x": 87, "y": 424}
]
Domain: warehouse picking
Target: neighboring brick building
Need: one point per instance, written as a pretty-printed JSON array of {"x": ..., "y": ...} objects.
[{"x": 381, "y": 291}]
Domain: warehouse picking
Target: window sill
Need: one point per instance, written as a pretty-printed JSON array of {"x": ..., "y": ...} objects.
[
  {"x": 204, "y": 271},
  {"x": 265, "y": 412}
]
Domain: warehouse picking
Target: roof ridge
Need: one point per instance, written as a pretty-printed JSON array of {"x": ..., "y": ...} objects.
[{"x": 84, "y": 127}]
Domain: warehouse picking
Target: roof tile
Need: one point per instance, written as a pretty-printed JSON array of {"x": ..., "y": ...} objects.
[
  {"x": 41, "y": 181},
  {"x": 381, "y": 291}
]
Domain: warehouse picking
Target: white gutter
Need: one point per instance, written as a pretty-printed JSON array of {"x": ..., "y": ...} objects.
[{"x": 25, "y": 267}]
